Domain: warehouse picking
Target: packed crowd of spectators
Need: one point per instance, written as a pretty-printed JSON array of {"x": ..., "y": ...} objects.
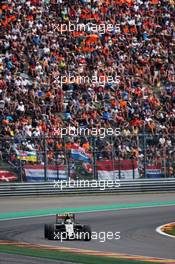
[{"x": 138, "y": 53}]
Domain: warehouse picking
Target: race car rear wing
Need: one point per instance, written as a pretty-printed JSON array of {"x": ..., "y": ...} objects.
[{"x": 63, "y": 217}]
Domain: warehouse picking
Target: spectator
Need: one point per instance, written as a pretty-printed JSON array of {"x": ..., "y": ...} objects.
[{"x": 138, "y": 53}]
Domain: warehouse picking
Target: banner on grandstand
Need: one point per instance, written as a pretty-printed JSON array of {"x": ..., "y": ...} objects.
[
  {"x": 7, "y": 176},
  {"x": 108, "y": 170},
  {"x": 112, "y": 170},
  {"x": 26, "y": 155},
  {"x": 36, "y": 173},
  {"x": 153, "y": 171}
]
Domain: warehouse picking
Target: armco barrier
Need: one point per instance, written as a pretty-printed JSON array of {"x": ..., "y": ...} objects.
[{"x": 51, "y": 188}]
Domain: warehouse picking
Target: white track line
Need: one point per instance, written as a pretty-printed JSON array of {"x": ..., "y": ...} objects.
[{"x": 158, "y": 230}]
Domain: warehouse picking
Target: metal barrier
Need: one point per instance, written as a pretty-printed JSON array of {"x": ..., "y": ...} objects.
[{"x": 51, "y": 188}]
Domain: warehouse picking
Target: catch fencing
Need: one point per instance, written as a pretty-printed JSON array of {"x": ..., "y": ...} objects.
[{"x": 124, "y": 156}]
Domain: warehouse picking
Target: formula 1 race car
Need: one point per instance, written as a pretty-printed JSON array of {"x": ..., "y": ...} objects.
[{"x": 66, "y": 228}]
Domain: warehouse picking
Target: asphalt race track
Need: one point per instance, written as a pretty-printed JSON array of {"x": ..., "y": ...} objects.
[{"x": 136, "y": 227}]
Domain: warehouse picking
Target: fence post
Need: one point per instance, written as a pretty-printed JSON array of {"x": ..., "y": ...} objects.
[
  {"x": 144, "y": 150},
  {"x": 45, "y": 158},
  {"x": 164, "y": 159},
  {"x": 119, "y": 167},
  {"x": 94, "y": 159},
  {"x": 113, "y": 157},
  {"x": 133, "y": 170},
  {"x": 68, "y": 163},
  {"x": 168, "y": 161},
  {"x": 20, "y": 170},
  {"x": 66, "y": 157},
  {"x": 57, "y": 166}
]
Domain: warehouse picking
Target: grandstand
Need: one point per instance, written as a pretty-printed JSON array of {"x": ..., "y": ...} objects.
[{"x": 115, "y": 72}]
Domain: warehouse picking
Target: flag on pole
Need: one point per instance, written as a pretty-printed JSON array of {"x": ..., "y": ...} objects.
[{"x": 78, "y": 155}]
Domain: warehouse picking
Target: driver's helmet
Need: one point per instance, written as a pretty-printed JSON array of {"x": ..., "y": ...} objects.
[
  {"x": 67, "y": 218},
  {"x": 68, "y": 221}
]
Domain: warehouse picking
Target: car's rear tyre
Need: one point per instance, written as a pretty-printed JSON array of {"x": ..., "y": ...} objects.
[
  {"x": 86, "y": 233},
  {"x": 51, "y": 232},
  {"x": 46, "y": 230}
]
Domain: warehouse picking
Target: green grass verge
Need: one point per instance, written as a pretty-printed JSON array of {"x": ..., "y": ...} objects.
[
  {"x": 65, "y": 256},
  {"x": 171, "y": 232}
]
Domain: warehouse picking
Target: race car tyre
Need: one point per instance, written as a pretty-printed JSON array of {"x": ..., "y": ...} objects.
[
  {"x": 46, "y": 230},
  {"x": 86, "y": 233},
  {"x": 51, "y": 232}
]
